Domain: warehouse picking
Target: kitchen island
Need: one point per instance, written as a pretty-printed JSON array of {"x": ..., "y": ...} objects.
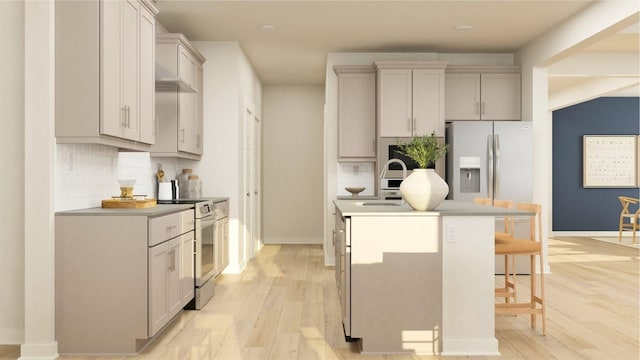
[{"x": 417, "y": 281}]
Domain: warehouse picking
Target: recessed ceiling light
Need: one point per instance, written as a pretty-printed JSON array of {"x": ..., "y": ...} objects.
[
  {"x": 266, "y": 27},
  {"x": 464, "y": 27}
]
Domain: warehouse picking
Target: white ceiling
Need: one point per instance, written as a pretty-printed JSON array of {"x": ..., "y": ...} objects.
[{"x": 294, "y": 52}]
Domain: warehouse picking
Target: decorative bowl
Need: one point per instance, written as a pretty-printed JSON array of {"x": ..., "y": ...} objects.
[{"x": 355, "y": 190}]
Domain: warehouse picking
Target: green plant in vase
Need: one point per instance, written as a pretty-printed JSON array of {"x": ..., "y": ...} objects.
[
  {"x": 425, "y": 150},
  {"x": 424, "y": 189}
]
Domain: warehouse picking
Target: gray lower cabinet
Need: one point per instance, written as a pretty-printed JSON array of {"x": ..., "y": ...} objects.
[{"x": 120, "y": 279}]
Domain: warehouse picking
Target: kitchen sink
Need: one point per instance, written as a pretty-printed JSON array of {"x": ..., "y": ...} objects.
[{"x": 378, "y": 204}]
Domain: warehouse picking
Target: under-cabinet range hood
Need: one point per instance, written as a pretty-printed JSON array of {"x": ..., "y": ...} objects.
[{"x": 168, "y": 81}]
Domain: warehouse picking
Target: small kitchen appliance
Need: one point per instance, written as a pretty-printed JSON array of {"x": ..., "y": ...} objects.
[{"x": 164, "y": 191}]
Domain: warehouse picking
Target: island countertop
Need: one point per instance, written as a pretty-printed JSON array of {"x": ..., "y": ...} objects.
[{"x": 397, "y": 208}]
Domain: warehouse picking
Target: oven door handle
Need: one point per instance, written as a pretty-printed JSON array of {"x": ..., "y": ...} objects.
[{"x": 204, "y": 223}]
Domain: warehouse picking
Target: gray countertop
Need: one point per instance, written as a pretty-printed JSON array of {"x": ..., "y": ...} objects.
[
  {"x": 160, "y": 209},
  {"x": 446, "y": 208}
]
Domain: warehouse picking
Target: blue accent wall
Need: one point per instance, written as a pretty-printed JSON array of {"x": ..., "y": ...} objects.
[{"x": 574, "y": 207}]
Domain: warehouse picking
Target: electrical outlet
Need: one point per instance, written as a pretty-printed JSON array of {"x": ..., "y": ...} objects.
[{"x": 451, "y": 234}]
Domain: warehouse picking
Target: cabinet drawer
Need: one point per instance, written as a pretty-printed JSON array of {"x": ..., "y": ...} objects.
[
  {"x": 164, "y": 228},
  {"x": 188, "y": 222}
]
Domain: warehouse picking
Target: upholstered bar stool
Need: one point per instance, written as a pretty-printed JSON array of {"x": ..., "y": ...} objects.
[{"x": 532, "y": 247}]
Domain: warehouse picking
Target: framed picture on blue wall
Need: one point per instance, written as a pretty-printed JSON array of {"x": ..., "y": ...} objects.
[{"x": 610, "y": 161}]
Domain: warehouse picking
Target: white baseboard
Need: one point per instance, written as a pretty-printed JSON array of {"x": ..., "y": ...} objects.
[
  {"x": 293, "y": 240},
  {"x": 470, "y": 347},
  {"x": 39, "y": 351},
  {"x": 584, "y": 233}
]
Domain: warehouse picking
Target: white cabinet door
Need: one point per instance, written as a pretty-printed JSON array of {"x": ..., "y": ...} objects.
[
  {"x": 187, "y": 103},
  {"x": 158, "y": 287},
  {"x": 187, "y": 277},
  {"x": 173, "y": 274},
  {"x": 483, "y": 96},
  {"x": 147, "y": 77},
  {"x": 113, "y": 114},
  {"x": 428, "y": 102},
  {"x": 130, "y": 62},
  {"x": 411, "y": 102},
  {"x": 462, "y": 97},
  {"x": 501, "y": 97},
  {"x": 356, "y": 115},
  {"x": 199, "y": 118},
  {"x": 394, "y": 102}
]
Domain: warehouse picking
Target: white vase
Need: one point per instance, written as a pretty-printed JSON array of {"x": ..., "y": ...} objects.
[{"x": 424, "y": 189}]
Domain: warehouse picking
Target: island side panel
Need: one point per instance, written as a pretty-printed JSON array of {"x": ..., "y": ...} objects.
[
  {"x": 468, "y": 324},
  {"x": 396, "y": 288},
  {"x": 101, "y": 283}
]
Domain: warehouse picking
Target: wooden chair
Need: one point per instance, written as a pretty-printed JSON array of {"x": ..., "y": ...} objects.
[
  {"x": 508, "y": 291},
  {"x": 482, "y": 201},
  {"x": 532, "y": 247},
  {"x": 629, "y": 219}
]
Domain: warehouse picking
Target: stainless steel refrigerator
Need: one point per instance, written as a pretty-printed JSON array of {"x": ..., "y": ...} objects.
[
  {"x": 492, "y": 159},
  {"x": 489, "y": 159}
]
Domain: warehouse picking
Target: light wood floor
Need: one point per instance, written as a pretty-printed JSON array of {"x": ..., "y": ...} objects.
[{"x": 285, "y": 306}]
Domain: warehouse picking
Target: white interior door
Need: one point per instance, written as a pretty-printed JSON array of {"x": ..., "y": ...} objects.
[
  {"x": 248, "y": 183},
  {"x": 257, "y": 239}
]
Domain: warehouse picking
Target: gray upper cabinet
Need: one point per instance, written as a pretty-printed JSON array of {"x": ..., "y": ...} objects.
[
  {"x": 179, "y": 98},
  {"x": 410, "y": 98},
  {"x": 483, "y": 93},
  {"x": 105, "y": 73},
  {"x": 356, "y": 113}
]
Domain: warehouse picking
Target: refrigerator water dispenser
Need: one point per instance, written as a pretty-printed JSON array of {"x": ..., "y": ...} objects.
[{"x": 469, "y": 174}]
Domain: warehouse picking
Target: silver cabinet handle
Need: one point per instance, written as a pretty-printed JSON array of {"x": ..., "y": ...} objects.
[
  {"x": 477, "y": 107},
  {"x": 127, "y": 116},
  {"x": 248, "y": 194},
  {"x": 198, "y": 140},
  {"x": 496, "y": 146},
  {"x": 490, "y": 166},
  {"x": 413, "y": 128},
  {"x": 482, "y": 108},
  {"x": 123, "y": 123},
  {"x": 182, "y": 131},
  {"x": 255, "y": 193},
  {"x": 409, "y": 124}
]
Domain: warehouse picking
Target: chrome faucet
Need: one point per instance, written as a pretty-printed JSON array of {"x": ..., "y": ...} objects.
[{"x": 384, "y": 168}]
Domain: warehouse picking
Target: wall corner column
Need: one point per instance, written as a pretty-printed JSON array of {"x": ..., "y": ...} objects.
[
  {"x": 39, "y": 289},
  {"x": 535, "y": 108}
]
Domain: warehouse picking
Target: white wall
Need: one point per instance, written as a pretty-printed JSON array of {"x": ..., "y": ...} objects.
[
  {"x": 12, "y": 158},
  {"x": 229, "y": 83},
  {"x": 334, "y": 176},
  {"x": 292, "y": 164}
]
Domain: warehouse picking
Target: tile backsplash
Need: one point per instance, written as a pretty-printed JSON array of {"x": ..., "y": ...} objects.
[
  {"x": 86, "y": 174},
  {"x": 356, "y": 175}
]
